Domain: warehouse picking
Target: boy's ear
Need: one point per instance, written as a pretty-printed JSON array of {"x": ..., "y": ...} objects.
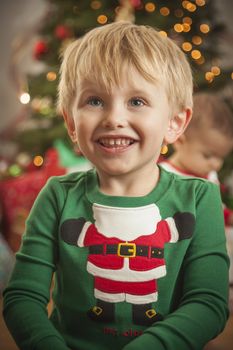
[
  {"x": 69, "y": 121},
  {"x": 177, "y": 125}
]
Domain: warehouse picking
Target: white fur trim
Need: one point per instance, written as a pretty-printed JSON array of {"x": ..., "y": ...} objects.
[
  {"x": 125, "y": 274},
  {"x": 167, "y": 166},
  {"x": 173, "y": 230},
  {"x": 126, "y": 223},
  {"x": 108, "y": 297},
  {"x": 82, "y": 235},
  {"x": 141, "y": 299},
  {"x": 213, "y": 177},
  {"x": 119, "y": 297}
]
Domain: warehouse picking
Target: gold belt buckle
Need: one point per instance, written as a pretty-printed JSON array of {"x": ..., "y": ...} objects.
[
  {"x": 150, "y": 313},
  {"x": 131, "y": 250},
  {"x": 97, "y": 310}
]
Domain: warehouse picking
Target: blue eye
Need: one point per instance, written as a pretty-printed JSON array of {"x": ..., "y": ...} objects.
[
  {"x": 136, "y": 102},
  {"x": 95, "y": 102}
]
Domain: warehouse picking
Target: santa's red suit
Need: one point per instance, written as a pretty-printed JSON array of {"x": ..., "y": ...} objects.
[{"x": 126, "y": 252}]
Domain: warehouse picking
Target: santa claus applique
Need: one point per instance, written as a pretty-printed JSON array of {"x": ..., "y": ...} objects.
[{"x": 126, "y": 255}]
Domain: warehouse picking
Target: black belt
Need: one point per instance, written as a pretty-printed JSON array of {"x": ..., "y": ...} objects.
[{"x": 127, "y": 250}]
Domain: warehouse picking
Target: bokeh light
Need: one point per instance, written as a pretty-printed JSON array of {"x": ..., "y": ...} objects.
[
  {"x": 150, "y": 7},
  {"x": 209, "y": 76},
  {"x": 51, "y": 76},
  {"x": 179, "y": 13},
  {"x": 178, "y": 27},
  {"x": 24, "y": 98},
  {"x": 164, "y": 11},
  {"x": 204, "y": 28},
  {"x": 102, "y": 19},
  {"x": 200, "y": 2},
  {"x": 95, "y": 5},
  {"x": 187, "y": 20},
  {"x": 197, "y": 40},
  {"x": 163, "y": 33},
  {"x": 186, "y": 46},
  {"x": 38, "y": 160},
  {"x": 196, "y": 54},
  {"x": 216, "y": 70}
]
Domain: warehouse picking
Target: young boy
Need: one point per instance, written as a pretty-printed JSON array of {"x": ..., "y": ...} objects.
[
  {"x": 207, "y": 141},
  {"x": 132, "y": 247}
]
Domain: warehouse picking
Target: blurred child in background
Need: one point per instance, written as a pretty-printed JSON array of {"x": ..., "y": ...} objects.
[{"x": 206, "y": 143}]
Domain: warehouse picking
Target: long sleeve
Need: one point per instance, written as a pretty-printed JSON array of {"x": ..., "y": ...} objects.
[
  {"x": 27, "y": 295},
  {"x": 202, "y": 311}
]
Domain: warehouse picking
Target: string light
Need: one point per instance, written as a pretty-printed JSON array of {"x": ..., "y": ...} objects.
[
  {"x": 184, "y": 4},
  {"x": 186, "y": 46},
  {"x": 102, "y": 19},
  {"x": 186, "y": 27},
  {"x": 187, "y": 20},
  {"x": 196, "y": 54},
  {"x": 150, "y": 7},
  {"x": 191, "y": 7},
  {"x": 164, "y": 11},
  {"x": 197, "y": 40},
  {"x": 24, "y": 98},
  {"x": 178, "y": 27},
  {"x": 95, "y": 5},
  {"x": 51, "y": 76},
  {"x": 163, "y": 33},
  {"x": 179, "y": 13},
  {"x": 200, "y": 60},
  {"x": 200, "y": 2},
  {"x": 204, "y": 28},
  {"x": 216, "y": 70},
  {"x": 38, "y": 160},
  {"x": 209, "y": 77}
]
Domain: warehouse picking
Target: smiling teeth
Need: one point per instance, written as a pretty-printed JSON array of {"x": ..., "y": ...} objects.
[{"x": 115, "y": 142}]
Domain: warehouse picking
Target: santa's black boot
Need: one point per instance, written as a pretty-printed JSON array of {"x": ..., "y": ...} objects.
[
  {"x": 145, "y": 315},
  {"x": 102, "y": 312}
]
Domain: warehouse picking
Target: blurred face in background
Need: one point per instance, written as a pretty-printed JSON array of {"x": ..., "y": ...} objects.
[{"x": 203, "y": 151}]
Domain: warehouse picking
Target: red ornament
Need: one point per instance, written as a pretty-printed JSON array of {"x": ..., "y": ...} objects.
[
  {"x": 40, "y": 49},
  {"x": 136, "y": 3},
  {"x": 62, "y": 32}
]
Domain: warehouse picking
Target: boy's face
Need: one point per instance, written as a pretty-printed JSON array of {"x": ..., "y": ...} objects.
[
  {"x": 204, "y": 152},
  {"x": 121, "y": 131}
]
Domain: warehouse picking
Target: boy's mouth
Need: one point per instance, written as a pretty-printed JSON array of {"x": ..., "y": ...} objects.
[{"x": 116, "y": 142}]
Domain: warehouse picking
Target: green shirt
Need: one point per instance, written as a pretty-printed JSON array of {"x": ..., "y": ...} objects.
[{"x": 192, "y": 291}]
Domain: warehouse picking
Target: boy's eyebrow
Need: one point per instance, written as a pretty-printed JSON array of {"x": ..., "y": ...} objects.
[
  {"x": 100, "y": 89},
  {"x": 89, "y": 90}
]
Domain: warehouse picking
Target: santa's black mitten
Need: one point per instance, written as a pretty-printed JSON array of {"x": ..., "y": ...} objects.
[
  {"x": 185, "y": 223},
  {"x": 71, "y": 229}
]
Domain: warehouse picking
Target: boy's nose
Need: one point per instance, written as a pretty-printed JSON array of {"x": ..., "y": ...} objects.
[{"x": 115, "y": 118}]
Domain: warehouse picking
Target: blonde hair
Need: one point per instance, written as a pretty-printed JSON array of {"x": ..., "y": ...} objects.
[
  {"x": 210, "y": 111},
  {"x": 101, "y": 53}
]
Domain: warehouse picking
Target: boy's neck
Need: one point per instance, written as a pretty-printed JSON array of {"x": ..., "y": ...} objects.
[{"x": 129, "y": 185}]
